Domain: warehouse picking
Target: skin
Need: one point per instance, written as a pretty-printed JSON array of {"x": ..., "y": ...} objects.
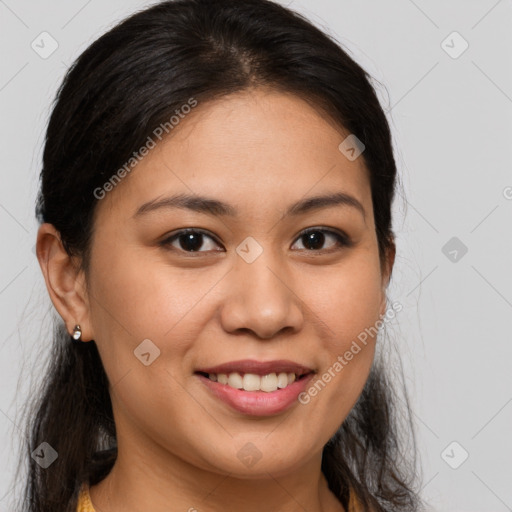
[{"x": 177, "y": 443}]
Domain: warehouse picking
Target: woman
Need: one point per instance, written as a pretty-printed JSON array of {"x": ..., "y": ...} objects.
[{"x": 216, "y": 238}]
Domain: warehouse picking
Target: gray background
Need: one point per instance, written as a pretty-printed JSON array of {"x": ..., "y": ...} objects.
[{"x": 451, "y": 117}]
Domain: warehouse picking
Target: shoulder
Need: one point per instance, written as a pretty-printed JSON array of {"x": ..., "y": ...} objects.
[
  {"x": 354, "y": 505},
  {"x": 84, "y": 499}
]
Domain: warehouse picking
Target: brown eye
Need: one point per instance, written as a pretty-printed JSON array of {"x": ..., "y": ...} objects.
[
  {"x": 188, "y": 240},
  {"x": 314, "y": 239}
]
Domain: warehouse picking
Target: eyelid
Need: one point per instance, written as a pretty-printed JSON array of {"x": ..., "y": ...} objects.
[
  {"x": 175, "y": 234},
  {"x": 346, "y": 239},
  {"x": 342, "y": 239}
]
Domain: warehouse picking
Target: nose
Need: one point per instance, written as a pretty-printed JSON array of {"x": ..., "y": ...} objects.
[{"x": 260, "y": 298}]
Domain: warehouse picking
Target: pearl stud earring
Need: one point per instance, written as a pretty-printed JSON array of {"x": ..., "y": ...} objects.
[{"x": 77, "y": 333}]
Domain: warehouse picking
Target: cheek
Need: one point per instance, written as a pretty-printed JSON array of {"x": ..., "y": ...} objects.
[
  {"x": 136, "y": 300},
  {"x": 142, "y": 297},
  {"x": 133, "y": 300},
  {"x": 349, "y": 310},
  {"x": 348, "y": 302}
]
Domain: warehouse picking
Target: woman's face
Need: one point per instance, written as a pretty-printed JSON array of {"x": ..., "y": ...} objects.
[{"x": 245, "y": 285}]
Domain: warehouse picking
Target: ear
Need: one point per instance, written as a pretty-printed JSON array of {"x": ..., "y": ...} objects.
[
  {"x": 65, "y": 283},
  {"x": 386, "y": 273}
]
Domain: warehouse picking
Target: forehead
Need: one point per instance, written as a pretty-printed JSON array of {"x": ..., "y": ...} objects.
[{"x": 254, "y": 148}]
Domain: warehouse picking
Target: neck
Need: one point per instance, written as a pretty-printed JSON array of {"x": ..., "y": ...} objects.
[{"x": 136, "y": 485}]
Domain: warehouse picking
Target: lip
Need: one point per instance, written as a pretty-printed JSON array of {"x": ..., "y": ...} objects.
[
  {"x": 258, "y": 367},
  {"x": 257, "y": 403}
]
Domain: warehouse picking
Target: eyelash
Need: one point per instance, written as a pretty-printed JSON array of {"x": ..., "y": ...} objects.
[{"x": 342, "y": 239}]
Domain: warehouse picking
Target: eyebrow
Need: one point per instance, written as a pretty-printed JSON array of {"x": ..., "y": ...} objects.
[{"x": 207, "y": 205}]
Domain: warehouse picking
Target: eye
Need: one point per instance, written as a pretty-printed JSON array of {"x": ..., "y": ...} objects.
[
  {"x": 188, "y": 240},
  {"x": 314, "y": 238},
  {"x": 192, "y": 240}
]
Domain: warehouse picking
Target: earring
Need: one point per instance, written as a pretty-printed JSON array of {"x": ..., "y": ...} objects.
[{"x": 77, "y": 333}]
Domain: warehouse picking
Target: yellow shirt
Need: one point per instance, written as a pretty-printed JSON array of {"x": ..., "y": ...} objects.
[
  {"x": 84, "y": 500},
  {"x": 85, "y": 505}
]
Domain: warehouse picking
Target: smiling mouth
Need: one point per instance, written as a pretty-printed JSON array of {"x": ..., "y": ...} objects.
[{"x": 253, "y": 382}]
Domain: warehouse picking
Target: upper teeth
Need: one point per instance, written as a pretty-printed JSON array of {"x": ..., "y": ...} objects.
[{"x": 253, "y": 382}]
